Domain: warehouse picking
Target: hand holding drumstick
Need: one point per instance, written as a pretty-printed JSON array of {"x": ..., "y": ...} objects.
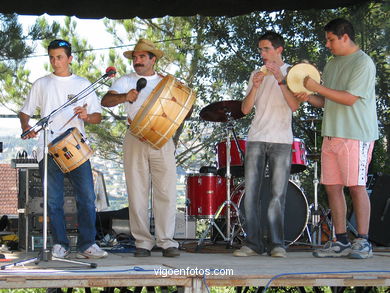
[{"x": 81, "y": 112}]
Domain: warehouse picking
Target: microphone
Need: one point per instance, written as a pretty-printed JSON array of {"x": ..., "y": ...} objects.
[
  {"x": 110, "y": 72},
  {"x": 141, "y": 83}
]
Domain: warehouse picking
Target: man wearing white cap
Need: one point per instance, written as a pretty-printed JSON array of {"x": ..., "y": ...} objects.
[{"x": 145, "y": 166}]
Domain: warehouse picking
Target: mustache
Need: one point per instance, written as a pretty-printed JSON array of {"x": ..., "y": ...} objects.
[{"x": 138, "y": 65}]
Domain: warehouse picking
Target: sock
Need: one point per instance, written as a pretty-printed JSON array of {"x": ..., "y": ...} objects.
[
  {"x": 364, "y": 236},
  {"x": 343, "y": 238}
]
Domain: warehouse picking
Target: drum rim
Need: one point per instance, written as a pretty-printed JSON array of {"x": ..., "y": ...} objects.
[
  {"x": 61, "y": 136},
  {"x": 202, "y": 175}
]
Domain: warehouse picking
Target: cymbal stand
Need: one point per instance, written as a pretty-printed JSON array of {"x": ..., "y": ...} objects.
[
  {"x": 229, "y": 235},
  {"x": 315, "y": 214}
]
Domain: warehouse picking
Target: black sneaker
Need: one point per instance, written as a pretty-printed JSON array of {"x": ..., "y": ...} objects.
[
  {"x": 171, "y": 252},
  {"x": 141, "y": 252}
]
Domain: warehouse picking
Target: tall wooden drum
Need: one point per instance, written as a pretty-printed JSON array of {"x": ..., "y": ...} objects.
[{"x": 162, "y": 112}]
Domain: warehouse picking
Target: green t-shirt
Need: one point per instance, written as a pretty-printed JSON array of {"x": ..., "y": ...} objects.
[{"x": 355, "y": 74}]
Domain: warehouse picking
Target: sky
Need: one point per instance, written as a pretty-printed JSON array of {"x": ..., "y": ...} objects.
[{"x": 98, "y": 39}]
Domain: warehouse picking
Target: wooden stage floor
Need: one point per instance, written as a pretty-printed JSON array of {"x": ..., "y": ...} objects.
[{"x": 198, "y": 271}]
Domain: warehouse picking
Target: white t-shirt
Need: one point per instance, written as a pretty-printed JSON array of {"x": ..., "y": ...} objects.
[
  {"x": 49, "y": 93},
  {"x": 129, "y": 82},
  {"x": 272, "y": 121}
]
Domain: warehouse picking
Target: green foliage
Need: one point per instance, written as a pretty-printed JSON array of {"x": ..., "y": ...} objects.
[
  {"x": 214, "y": 56},
  {"x": 14, "y": 48}
]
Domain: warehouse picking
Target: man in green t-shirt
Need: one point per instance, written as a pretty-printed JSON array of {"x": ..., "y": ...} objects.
[{"x": 349, "y": 129}]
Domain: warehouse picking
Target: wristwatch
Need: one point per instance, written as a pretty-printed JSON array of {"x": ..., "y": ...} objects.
[{"x": 283, "y": 81}]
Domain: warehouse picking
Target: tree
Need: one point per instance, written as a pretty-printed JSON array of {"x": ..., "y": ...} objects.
[{"x": 15, "y": 47}]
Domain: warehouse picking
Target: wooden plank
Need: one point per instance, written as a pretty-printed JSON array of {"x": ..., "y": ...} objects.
[{"x": 123, "y": 270}]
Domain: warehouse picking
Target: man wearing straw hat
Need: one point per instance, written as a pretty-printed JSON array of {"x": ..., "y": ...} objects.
[{"x": 145, "y": 166}]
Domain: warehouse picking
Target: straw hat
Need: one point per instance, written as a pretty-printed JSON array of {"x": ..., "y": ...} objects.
[{"x": 144, "y": 45}]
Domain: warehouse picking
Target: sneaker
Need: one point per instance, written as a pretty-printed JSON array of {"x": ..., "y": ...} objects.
[
  {"x": 361, "y": 248},
  {"x": 333, "y": 249},
  {"x": 278, "y": 251},
  {"x": 171, "y": 252},
  {"x": 245, "y": 251},
  {"x": 59, "y": 251},
  {"x": 93, "y": 251}
]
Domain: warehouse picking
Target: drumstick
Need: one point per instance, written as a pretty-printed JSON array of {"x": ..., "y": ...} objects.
[{"x": 85, "y": 105}]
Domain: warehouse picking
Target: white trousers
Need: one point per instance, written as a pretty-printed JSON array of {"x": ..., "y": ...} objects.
[{"x": 147, "y": 167}]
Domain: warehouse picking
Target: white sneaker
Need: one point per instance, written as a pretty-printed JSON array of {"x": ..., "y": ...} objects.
[
  {"x": 245, "y": 251},
  {"x": 59, "y": 251},
  {"x": 278, "y": 251},
  {"x": 93, "y": 251}
]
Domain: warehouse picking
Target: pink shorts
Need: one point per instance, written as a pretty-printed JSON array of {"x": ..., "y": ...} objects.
[{"x": 345, "y": 161}]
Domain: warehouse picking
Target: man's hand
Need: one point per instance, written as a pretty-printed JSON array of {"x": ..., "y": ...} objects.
[
  {"x": 81, "y": 112},
  {"x": 258, "y": 78},
  {"x": 310, "y": 84},
  {"x": 132, "y": 96},
  {"x": 275, "y": 70},
  {"x": 31, "y": 134}
]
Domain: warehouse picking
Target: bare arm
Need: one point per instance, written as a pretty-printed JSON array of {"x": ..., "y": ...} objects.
[
  {"x": 112, "y": 98},
  {"x": 315, "y": 100},
  {"x": 24, "y": 122},
  {"x": 341, "y": 97},
  {"x": 93, "y": 118},
  {"x": 249, "y": 100},
  {"x": 291, "y": 100}
]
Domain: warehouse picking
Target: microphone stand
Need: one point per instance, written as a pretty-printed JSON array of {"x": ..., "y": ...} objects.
[{"x": 45, "y": 254}]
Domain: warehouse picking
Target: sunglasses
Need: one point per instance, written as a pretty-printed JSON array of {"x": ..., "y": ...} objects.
[{"x": 57, "y": 43}]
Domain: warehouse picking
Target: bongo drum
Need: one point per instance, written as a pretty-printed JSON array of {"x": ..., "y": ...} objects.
[
  {"x": 70, "y": 150},
  {"x": 162, "y": 112},
  {"x": 297, "y": 74}
]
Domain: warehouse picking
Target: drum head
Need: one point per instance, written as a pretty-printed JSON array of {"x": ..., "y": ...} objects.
[
  {"x": 296, "y": 212},
  {"x": 297, "y": 74}
]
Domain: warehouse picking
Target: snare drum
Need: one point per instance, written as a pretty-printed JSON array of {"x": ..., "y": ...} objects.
[
  {"x": 70, "y": 150},
  {"x": 236, "y": 163},
  {"x": 205, "y": 193},
  {"x": 299, "y": 161},
  {"x": 162, "y": 112}
]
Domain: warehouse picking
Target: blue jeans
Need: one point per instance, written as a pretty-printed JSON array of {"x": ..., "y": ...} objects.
[
  {"x": 264, "y": 210},
  {"x": 82, "y": 182}
]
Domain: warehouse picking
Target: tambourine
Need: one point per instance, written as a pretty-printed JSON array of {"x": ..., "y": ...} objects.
[{"x": 297, "y": 74}]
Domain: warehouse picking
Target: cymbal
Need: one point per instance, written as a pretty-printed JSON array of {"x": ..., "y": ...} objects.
[{"x": 220, "y": 111}]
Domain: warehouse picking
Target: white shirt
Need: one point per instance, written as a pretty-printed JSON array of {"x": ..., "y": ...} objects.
[
  {"x": 49, "y": 93},
  {"x": 272, "y": 121},
  {"x": 129, "y": 82}
]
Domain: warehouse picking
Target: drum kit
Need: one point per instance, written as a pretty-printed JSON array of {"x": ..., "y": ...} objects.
[{"x": 214, "y": 195}]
